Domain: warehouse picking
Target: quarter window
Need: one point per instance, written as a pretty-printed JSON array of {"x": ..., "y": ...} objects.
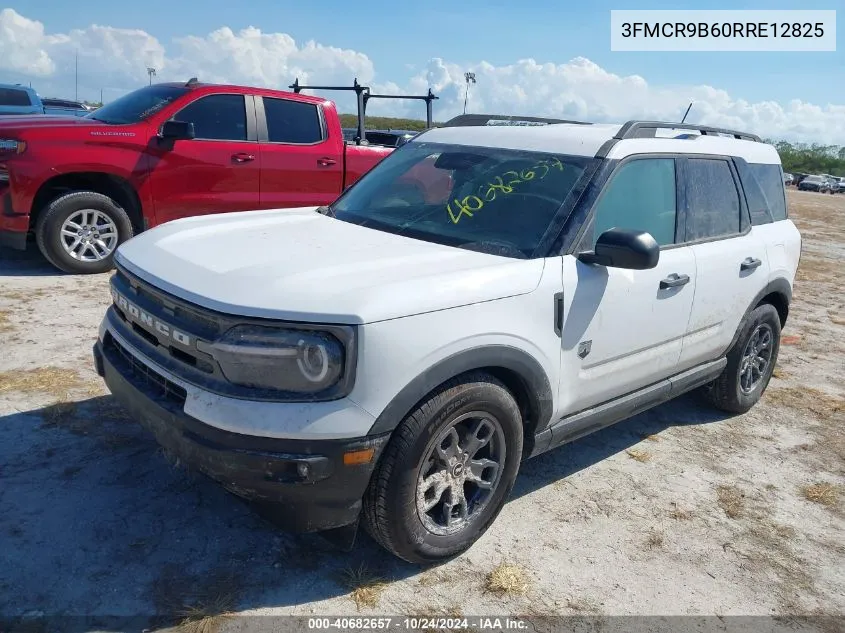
[
  {"x": 640, "y": 196},
  {"x": 712, "y": 198},
  {"x": 292, "y": 121},
  {"x": 217, "y": 117},
  {"x": 772, "y": 207}
]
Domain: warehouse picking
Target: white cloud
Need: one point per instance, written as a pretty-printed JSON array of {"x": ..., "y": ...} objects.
[{"x": 116, "y": 59}]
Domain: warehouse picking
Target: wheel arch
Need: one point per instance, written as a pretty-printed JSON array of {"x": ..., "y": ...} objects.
[
  {"x": 778, "y": 294},
  {"x": 114, "y": 186},
  {"x": 520, "y": 372}
]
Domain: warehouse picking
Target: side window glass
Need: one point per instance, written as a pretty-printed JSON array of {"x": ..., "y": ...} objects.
[
  {"x": 640, "y": 196},
  {"x": 712, "y": 198},
  {"x": 292, "y": 121},
  {"x": 216, "y": 117},
  {"x": 769, "y": 179}
]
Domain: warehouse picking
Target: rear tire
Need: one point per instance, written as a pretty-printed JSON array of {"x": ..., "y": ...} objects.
[
  {"x": 751, "y": 362},
  {"x": 80, "y": 231},
  {"x": 459, "y": 452}
]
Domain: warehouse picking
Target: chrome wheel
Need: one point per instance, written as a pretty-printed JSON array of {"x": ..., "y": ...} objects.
[
  {"x": 89, "y": 235},
  {"x": 756, "y": 358},
  {"x": 460, "y": 473}
]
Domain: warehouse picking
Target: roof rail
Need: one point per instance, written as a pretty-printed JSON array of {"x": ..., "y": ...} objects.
[
  {"x": 468, "y": 120},
  {"x": 647, "y": 129},
  {"x": 363, "y": 95}
]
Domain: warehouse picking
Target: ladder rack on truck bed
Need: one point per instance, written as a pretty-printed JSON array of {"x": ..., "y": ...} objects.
[{"x": 363, "y": 95}]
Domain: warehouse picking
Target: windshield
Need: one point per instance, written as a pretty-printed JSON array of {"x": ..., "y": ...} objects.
[
  {"x": 490, "y": 199},
  {"x": 137, "y": 105}
]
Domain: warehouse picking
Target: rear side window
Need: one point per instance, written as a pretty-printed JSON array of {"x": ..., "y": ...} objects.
[
  {"x": 292, "y": 121},
  {"x": 712, "y": 199},
  {"x": 12, "y": 97},
  {"x": 641, "y": 197},
  {"x": 769, "y": 181},
  {"x": 216, "y": 117}
]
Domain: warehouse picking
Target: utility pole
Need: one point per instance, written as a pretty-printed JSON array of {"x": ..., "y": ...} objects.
[
  {"x": 470, "y": 78},
  {"x": 76, "y": 76},
  {"x": 151, "y": 72}
]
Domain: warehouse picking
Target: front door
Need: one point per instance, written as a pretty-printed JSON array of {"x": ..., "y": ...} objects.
[
  {"x": 624, "y": 329},
  {"x": 216, "y": 172}
]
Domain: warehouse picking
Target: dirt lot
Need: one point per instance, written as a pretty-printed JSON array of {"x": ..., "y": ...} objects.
[{"x": 676, "y": 511}]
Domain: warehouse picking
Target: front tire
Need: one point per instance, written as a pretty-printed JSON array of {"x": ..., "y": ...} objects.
[
  {"x": 751, "y": 362},
  {"x": 447, "y": 471},
  {"x": 79, "y": 232}
]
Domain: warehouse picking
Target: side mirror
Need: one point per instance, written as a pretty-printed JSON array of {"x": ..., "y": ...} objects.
[
  {"x": 177, "y": 130},
  {"x": 621, "y": 248}
]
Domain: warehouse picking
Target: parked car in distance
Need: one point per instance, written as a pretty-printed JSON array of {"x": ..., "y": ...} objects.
[
  {"x": 390, "y": 138},
  {"x": 65, "y": 107},
  {"x": 787, "y": 178},
  {"x": 385, "y": 138},
  {"x": 83, "y": 185},
  {"x": 814, "y": 183},
  {"x": 483, "y": 295},
  {"x": 16, "y": 99}
]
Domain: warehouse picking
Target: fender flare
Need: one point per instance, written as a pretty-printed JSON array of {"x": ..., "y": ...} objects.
[
  {"x": 779, "y": 286},
  {"x": 535, "y": 386}
]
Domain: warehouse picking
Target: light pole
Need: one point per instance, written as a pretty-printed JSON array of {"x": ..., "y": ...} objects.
[
  {"x": 470, "y": 78},
  {"x": 151, "y": 72}
]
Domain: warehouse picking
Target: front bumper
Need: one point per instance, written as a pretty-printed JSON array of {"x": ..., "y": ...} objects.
[
  {"x": 306, "y": 482},
  {"x": 13, "y": 228}
]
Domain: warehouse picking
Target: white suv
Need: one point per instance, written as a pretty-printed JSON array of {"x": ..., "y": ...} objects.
[{"x": 484, "y": 294}]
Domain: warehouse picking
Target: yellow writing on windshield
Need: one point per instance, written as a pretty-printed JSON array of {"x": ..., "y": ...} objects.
[{"x": 503, "y": 184}]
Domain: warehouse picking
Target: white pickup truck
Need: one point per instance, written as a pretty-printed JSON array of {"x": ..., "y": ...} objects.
[{"x": 484, "y": 294}]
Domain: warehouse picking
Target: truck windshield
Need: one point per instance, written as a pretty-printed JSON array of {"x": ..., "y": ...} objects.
[
  {"x": 137, "y": 105},
  {"x": 495, "y": 200}
]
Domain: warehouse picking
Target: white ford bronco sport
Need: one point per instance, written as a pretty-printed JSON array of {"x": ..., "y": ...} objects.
[{"x": 486, "y": 293}]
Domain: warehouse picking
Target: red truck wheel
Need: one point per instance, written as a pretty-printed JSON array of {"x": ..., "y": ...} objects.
[{"x": 80, "y": 231}]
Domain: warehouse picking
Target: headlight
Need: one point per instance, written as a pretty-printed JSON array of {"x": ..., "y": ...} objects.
[{"x": 291, "y": 360}]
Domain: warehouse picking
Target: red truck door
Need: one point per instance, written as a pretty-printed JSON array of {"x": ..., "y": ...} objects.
[
  {"x": 301, "y": 165},
  {"x": 217, "y": 171}
]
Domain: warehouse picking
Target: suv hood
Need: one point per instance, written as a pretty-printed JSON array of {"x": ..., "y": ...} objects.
[{"x": 297, "y": 264}]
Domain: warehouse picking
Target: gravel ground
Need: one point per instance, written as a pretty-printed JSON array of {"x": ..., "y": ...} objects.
[{"x": 676, "y": 511}]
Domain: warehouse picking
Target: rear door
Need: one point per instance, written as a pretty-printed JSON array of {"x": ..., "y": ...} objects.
[
  {"x": 300, "y": 164},
  {"x": 216, "y": 172},
  {"x": 731, "y": 259},
  {"x": 623, "y": 329}
]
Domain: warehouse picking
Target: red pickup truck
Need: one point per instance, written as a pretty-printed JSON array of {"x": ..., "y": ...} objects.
[{"x": 83, "y": 185}]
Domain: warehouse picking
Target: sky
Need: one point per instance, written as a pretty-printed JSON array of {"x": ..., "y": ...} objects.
[{"x": 534, "y": 57}]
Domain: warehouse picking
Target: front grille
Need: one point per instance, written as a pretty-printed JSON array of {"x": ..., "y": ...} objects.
[{"x": 142, "y": 376}]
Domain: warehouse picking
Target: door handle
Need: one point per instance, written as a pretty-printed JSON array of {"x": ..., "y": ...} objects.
[
  {"x": 674, "y": 281},
  {"x": 326, "y": 162},
  {"x": 750, "y": 263},
  {"x": 242, "y": 157}
]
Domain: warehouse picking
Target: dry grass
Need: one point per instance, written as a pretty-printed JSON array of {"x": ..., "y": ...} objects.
[
  {"x": 52, "y": 380},
  {"x": 779, "y": 374},
  {"x": 640, "y": 456},
  {"x": 654, "y": 540},
  {"x": 806, "y": 399},
  {"x": 507, "y": 579},
  {"x": 823, "y": 493},
  {"x": 731, "y": 500},
  {"x": 5, "y": 322},
  {"x": 817, "y": 268},
  {"x": 679, "y": 514},
  {"x": 653, "y": 437},
  {"x": 365, "y": 588},
  {"x": 836, "y": 317},
  {"x": 196, "y": 603}
]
